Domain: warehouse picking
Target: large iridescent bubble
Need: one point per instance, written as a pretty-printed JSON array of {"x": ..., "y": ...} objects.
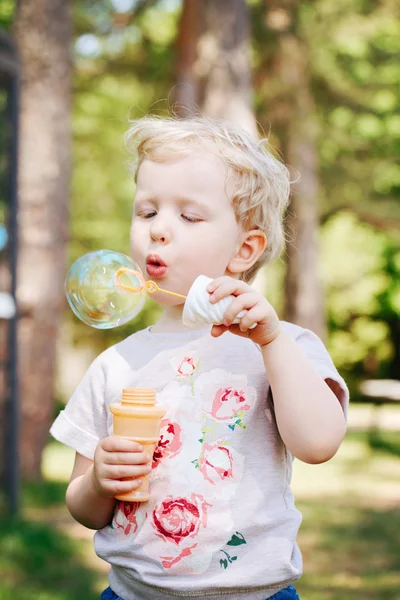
[{"x": 95, "y": 289}]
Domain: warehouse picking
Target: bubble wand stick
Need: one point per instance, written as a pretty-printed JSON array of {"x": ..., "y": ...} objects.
[{"x": 150, "y": 286}]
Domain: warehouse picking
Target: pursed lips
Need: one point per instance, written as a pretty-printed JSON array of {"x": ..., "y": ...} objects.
[{"x": 154, "y": 259}]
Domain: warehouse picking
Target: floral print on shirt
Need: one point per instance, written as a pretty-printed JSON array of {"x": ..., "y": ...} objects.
[
  {"x": 169, "y": 443},
  {"x": 216, "y": 462},
  {"x": 228, "y": 398},
  {"x": 185, "y": 367},
  {"x": 196, "y": 470},
  {"x": 125, "y": 521}
]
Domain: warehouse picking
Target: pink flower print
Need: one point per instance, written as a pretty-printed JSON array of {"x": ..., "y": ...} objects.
[
  {"x": 177, "y": 519},
  {"x": 227, "y": 403},
  {"x": 182, "y": 533},
  {"x": 216, "y": 462},
  {"x": 168, "y": 562},
  {"x": 185, "y": 367},
  {"x": 125, "y": 518},
  {"x": 169, "y": 443}
]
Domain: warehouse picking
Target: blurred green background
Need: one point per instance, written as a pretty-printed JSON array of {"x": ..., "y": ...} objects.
[{"x": 125, "y": 58}]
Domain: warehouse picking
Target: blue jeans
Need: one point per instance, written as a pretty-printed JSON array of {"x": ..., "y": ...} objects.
[{"x": 286, "y": 594}]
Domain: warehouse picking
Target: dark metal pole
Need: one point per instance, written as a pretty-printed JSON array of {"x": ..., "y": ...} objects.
[
  {"x": 13, "y": 444},
  {"x": 9, "y": 65}
]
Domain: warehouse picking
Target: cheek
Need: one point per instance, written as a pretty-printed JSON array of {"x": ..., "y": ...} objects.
[
  {"x": 138, "y": 248},
  {"x": 217, "y": 245},
  {"x": 211, "y": 255}
]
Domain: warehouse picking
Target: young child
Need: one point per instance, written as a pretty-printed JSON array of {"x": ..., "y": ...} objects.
[{"x": 241, "y": 402}]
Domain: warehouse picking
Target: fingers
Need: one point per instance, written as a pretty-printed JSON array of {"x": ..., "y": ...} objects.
[
  {"x": 126, "y": 458},
  {"x": 225, "y": 286},
  {"x": 119, "y": 465},
  {"x": 112, "y": 488},
  {"x": 122, "y": 451},
  {"x": 115, "y": 443},
  {"x": 250, "y": 318},
  {"x": 218, "y": 330},
  {"x": 124, "y": 472},
  {"x": 242, "y": 302}
]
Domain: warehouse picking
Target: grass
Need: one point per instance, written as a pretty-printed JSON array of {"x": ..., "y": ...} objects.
[
  {"x": 39, "y": 562},
  {"x": 42, "y": 557},
  {"x": 349, "y": 552},
  {"x": 350, "y": 536}
]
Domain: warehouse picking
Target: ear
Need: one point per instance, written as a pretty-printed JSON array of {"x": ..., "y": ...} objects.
[{"x": 252, "y": 245}]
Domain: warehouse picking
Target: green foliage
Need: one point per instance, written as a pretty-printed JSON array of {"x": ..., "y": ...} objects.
[
  {"x": 352, "y": 53},
  {"x": 121, "y": 71},
  {"x": 125, "y": 68},
  {"x": 351, "y": 49},
  {"x": 354, "y": 48},
  {"x": 7, "y": 13},
  {"x": 361, "y": 273}
]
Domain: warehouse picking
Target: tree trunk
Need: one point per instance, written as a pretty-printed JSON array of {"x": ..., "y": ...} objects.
[
  {"x": 223, "y": 63},
  {"x": 213, "y": 61},
  {"x": 295, "y": 113},
  {"x": 187, "y": 86},
  {"x": 213, "y": 67},
  {"x": 43, "y": 35}
]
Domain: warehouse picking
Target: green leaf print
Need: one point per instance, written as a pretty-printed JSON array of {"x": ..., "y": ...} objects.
[
  {"x": 236, "y": 540},
  {"x": 229, "y": 559},
  {"x": 239, "y": 420}
]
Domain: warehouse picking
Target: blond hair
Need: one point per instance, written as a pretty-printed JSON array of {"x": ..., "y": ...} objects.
[{"x": 260, "y": 182}]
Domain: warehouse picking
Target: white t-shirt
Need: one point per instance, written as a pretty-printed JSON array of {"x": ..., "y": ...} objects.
[{"x": 221, "y": 520}]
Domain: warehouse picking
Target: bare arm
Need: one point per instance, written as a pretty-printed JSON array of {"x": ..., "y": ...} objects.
[
  {"x": 84, "y": 502},
  {"x": 117, "y": 465},
  {"x": 310, "y": 418},
  {"x": 308, "y": 414}
]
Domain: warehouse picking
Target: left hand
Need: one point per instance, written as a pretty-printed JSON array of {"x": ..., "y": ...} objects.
[{"x": 259, "y": 311}]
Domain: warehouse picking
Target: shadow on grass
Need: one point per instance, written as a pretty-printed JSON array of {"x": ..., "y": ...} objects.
[
  {"x": 44, "y": 494},
  {"x": 386, "y": 442},
  {"x": 349, "y": 552},
  {"x": 37, "y": 561}
]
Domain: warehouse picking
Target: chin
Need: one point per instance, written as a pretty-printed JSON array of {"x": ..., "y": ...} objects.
[{"x": 167, "y": 300}]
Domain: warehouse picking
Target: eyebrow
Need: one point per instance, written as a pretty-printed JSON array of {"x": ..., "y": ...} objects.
[
  {"x": 181, "y": 201},
  {"x": 184, "y": 200}
]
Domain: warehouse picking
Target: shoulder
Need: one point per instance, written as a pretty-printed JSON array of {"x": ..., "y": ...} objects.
[
  {"x": 296, "y": 331},
  {"x": 306, "y": 338},
  {"x": 236, "y": 348},
  {"x": 121, "y": 352}
]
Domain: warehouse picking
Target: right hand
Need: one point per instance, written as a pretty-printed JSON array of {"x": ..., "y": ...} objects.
[{"x": 118, "y": 465}]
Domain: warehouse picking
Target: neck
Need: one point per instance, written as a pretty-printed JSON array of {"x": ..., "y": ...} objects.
[{"x": 171, "y": 321}]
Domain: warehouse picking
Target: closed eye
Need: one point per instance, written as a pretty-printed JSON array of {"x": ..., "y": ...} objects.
[
  {"x": 187, "y": 218},
  {"x": 191, "y": 219}
]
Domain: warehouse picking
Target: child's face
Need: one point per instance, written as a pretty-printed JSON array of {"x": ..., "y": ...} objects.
[{"x": 183, "y": 215}]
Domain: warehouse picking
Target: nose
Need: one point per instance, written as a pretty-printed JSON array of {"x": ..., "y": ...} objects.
[{"x": 159, "y": 230}]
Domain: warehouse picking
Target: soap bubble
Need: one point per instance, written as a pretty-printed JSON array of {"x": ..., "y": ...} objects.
[{"x": 94, "y": 289}]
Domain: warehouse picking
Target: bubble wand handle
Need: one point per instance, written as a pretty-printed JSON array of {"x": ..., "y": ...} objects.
[{"x": 150, "y": 286}]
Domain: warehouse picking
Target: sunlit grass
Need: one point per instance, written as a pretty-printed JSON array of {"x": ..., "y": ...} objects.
[{"x": 350, "y": 535}]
